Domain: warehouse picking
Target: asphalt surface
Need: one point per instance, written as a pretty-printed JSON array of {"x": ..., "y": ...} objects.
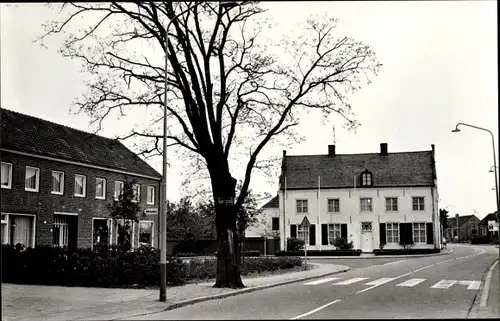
[{"x": 436, "y": 287}]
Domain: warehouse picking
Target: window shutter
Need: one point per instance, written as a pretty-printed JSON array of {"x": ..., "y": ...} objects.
[
  {"x": 430, "y": 233},
  {"x": 343, "y": 231},
  {"x": 293, "y": 231},
  {"x": 312, "y": 234},
  {"x": 405, "y": 233},
  {"x": 324, "y": 234},
  {"x": 383, "y": 240}
]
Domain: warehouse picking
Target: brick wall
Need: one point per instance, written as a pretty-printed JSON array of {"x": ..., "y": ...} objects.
[{"x": 43, "y": 203}]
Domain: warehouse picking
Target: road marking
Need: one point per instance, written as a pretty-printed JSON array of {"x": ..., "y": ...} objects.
[
  {"x": 315, "y": 310},
  {"x": 320, "y": 281},
  {"x": 486, "y": 289},
  {"x": 380, "y": 281},
  {"x": 411, "y": 282},
  {"x": 350, "y": 281},
  {"x": 471, "y": 285},
  {"x": 393, "y": 262},
  {"x": 444, "y": 284}
]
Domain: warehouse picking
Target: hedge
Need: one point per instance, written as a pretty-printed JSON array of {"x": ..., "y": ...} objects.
[
  {"x": 320, "y": 253},
  {"x": 405, "y": 252},
  {"x": 46, "y": 265}
]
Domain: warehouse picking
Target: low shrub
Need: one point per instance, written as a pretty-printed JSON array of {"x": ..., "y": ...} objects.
[
  {"x": 405, "y": 251},
  {"x": 320, "y": 253},
  {"x": 294, "y": 244},
  {"x": 342, "y": 244},
  {"x": 189, "y": 254}
]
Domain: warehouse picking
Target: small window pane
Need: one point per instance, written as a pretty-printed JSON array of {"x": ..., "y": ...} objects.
[
  {"x": 118, "y": 189},
  {"x": 100, "y": 188},
  {"x": 80, "y": 182},
  {"x": 6, "y": 175},
  {"x": 145, "y": 233},
  {"x": 31, "y": 182},
  {"x": 57, "y": 182},
  {"x": 151, "y": 195}
]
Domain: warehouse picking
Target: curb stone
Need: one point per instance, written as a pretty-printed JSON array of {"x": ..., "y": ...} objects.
[
  {"x": 376, "y": 256},
  {"x": 476, "y": 311}
]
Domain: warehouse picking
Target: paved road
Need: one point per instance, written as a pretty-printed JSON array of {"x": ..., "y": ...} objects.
[{"x": 425, "y": 287}]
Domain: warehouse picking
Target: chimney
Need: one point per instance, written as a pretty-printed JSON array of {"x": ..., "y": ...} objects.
[
  {"x": 331, "y": 150},
  {"x": 383, "y": 149}
]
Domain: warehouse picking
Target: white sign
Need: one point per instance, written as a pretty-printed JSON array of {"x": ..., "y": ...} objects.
[
  {"x": 151, "y": 211},
  {"x": 492, "y": 226}
]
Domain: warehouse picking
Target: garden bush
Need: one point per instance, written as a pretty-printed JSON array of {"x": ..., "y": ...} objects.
[
  {"x": 294, "y": 244},
  {"x": 342, "y": 244}
]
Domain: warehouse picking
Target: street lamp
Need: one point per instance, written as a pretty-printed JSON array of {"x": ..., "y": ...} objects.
[
  {"x": 163, "y": 186},
  {"x": 494, "y": 167}
]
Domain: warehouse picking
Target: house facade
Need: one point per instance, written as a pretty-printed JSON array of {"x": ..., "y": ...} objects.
[
  {"x": 489, "y": 226},
  {"x": 374, "y": 200},
  {"x": 57, "y": 183},
  {"x": 268, "y": 222},
  {"x": 468, "y": 226}
]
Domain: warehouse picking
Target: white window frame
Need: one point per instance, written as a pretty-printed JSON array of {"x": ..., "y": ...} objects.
[
  {"x": 389, "y": 204},
  {"x": 361, "y": 199},
  {"x": 151, "y": 191},
  {"x": 137, "y": 193},
  {"x": 392, "y": 230},
  {"x": 415, "y": 234},
  {"x": 6, "y": 239},
  {"x": 152, "y": 231},
  {"x": 420, "y": 205},
  {"x": 61, "y": 183},
  {"x": 37, "y": 180},
  {"x": 333, "y": 200},
  {"x": 334, "y": 231},
  {"x": 366, "y": 179},
  {"x": 302, "y": 206},
  {"x": 9, "y": 181},
  {"x": 117, "y": 193},
  {"x": 103, "y": 180},
  {"x": 303, "y": 233},
  {"x": 84, "y": 186},
  {"x": 115, "y": 238},
  {"x": 67, "y": 224}
]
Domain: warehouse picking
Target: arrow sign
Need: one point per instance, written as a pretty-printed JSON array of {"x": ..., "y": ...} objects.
[{"x": 305, "y": 223}]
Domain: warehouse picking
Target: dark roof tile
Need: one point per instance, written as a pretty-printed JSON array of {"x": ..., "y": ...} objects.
[{"x": 273, "y": 203}]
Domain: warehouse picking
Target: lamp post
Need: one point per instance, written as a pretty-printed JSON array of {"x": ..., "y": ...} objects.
[
  {"x": 163, "y": 186},
  {"x": 494, "y": 167}
]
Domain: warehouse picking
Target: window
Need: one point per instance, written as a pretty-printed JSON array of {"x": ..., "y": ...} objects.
[
  {"x": 100, "y": 188},
  {"x": 123, "y": 233},
  {"x": 151, "y": 195},
  {"x": 366, "y": 179},
  {"x": 137, "y": 192},
  {"x": 80, "y": 185},
  {"x": 391, "y": 204},
  {"x": 392, "y": 230},
  {"x": 333, "y": 205},
  {"x": 418, "y": 232},
  {"x": 366, "y": 226},
  {"x": 302, "y": 206},
  {"x": 32, "y": 179},
  {"x": 418, "y": 204},
  {"x": 303, "y": 233},
  {"x": 6, "y": 175},
  {"x": 57, "y": 182},
  {"x": 333, "y": 232},
  {"x": 60, "y": 231},
  {"x": 146, "y": 233},
  {"x": 366, "y": 204},
  {"x": 18, "y": 229},
  {"x": 118, "y": 189},
  {"x": 275, "y": 223},
  {"x": 100, "y": 231}
]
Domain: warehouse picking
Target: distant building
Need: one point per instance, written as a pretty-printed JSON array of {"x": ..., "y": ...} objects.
[
  {"x": 468, "y": 226},
  {"x": 373, "y": 199},
  {"x": 268, "y": 221},
  {"x": 56, "y": 182},
  {"x": 489, "y": 226}
]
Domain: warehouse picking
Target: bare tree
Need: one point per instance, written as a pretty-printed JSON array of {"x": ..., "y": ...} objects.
[{"x": 231, "y": 90}]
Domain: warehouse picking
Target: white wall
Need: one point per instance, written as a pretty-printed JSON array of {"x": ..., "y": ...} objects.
[
  {"x": 264, "y": 223},
  {"x": 351, "y": 214}
]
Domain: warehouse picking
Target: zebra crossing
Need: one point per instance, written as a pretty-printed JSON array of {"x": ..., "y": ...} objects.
[{"x": 442, "y": 284}]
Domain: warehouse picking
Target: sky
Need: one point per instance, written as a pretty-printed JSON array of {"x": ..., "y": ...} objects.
[{"x": 439, "y": 68}]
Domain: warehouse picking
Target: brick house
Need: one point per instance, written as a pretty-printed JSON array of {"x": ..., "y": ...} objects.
[
  {"x": 487, "y": 228},
  {"x": 468, "y": 226},
  {"x": 374, "y": 199},
  {"x": 56, "y": 182}
]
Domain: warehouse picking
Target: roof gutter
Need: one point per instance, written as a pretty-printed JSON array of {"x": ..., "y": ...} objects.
[{"x": 82, "y": 164}]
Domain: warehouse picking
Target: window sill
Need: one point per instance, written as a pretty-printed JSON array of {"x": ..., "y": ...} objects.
[
  {"x": 6, "y": 187},
  {"x": 76, "y": 195},
  {"x": 57, "y": 193},
  {"x": 150, "y": 204},
  {"x": 100, "y": 198},
  {"x": 31, "y": 190}
]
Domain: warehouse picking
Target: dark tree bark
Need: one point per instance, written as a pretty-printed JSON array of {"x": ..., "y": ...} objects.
[{"x": 229, "y": 96}]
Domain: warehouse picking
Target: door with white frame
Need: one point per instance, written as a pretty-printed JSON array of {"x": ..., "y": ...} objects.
[{"x": 366, "y": 237}]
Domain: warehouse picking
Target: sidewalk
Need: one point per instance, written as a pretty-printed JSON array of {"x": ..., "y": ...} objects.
[
  {"x": 23, "y": 302},
  {"x": 490, "y": 308}
]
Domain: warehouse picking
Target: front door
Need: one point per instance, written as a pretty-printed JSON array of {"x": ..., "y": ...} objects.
[{"x": 366, "y": 237}]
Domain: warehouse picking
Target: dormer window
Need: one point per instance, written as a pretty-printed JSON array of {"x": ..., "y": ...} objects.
[{"x": 366, "y": 178}]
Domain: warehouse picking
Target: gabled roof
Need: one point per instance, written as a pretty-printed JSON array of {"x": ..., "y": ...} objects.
[
  {"x": 33, "y": 135},
  {"x": 273, "y": 203},
  {"x": 452, "y": 221},
  {"x": 393, "y": 169},
  {"x": 489, "y": 217}
]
